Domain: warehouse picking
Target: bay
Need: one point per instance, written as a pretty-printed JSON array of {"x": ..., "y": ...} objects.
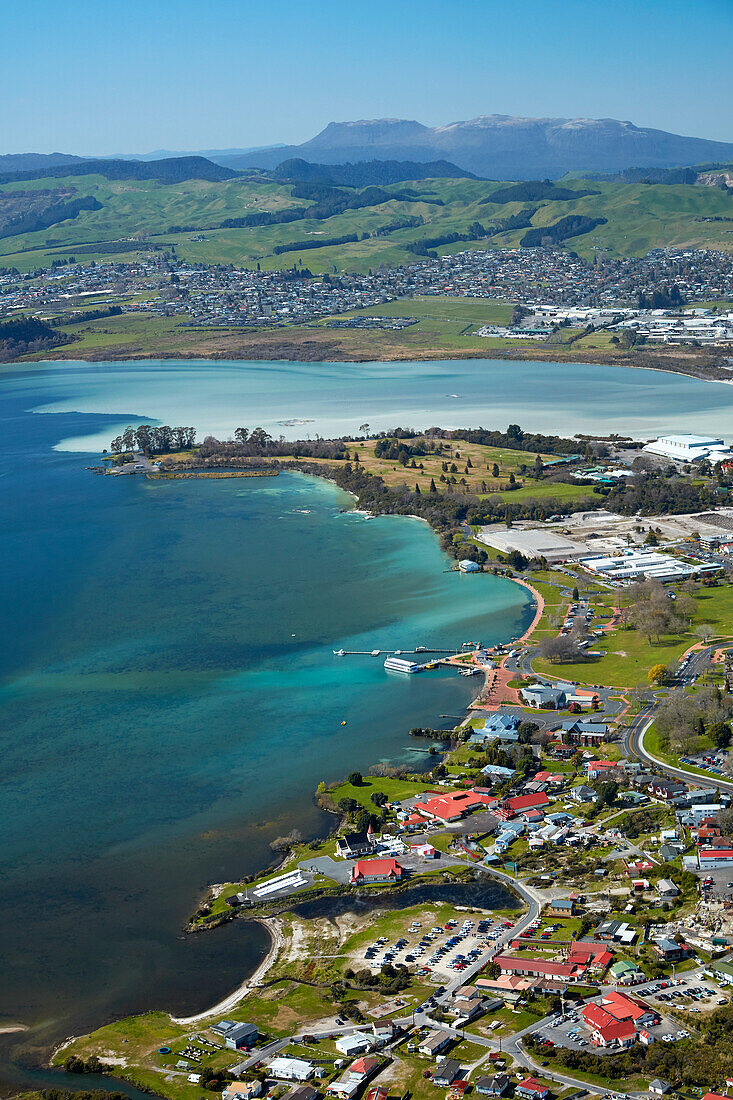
[
  {"x": 168, "y": 691},
  {"x": 170, "y": 700}
]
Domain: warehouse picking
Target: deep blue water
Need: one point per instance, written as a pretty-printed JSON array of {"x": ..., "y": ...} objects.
[{"x": 170, "y": 700}]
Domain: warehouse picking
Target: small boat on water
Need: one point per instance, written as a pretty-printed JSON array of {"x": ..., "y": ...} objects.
[
  {"x": 339, "y": 652},
  {"x": 474, "y": 671},
  {"x": 376, "y": 652},
  {"x": 421, "y": 649}
]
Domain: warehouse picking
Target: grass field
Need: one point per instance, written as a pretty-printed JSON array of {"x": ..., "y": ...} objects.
[{"x": 186, "y": 216}]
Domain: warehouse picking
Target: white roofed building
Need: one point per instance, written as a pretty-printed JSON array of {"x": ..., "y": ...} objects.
[{"x": 690, "y": 448}]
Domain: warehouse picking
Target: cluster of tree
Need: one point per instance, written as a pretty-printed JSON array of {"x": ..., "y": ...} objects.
[
  {"x": 81, "y": 1094},
  {"x": 656, "y": 493},
  {"x": 257, "y": 443},
  {"x": 390, "y": 979},
  {"x": 161, "y": 439},
  {"x": 534, "y": 190},
  {"x": 392, "y": 449},
  {"x": 77, "y": 317},
  {"x": 74, "y": 1064},
  {"x": 664, "y": 297},
  {"x": 651, "y": 175},
  {"x": 315, "y": 242},
  {"x": 422, "y": 247},
  {"x": 653, "y": 613},
  {"x": 366, "y": 173},
  {"x": 573, "y": 225},
  {"x": 407, "y": 221},
  {"x": 22, "y": 335},
  {"x": 683, "y": 720},
  {"x": 515, "y": 438},
  {"x": 56, "y": 212}
]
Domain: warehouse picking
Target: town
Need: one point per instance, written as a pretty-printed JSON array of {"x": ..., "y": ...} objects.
[{"x": 554, "y": 290}]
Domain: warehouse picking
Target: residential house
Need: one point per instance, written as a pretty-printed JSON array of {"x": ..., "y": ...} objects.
[
  {"x": 236, "y": 1036},
  {"x": 351, "y": 1045},
  {"x": 658, "y": 1087},
  {"x": 668, "y": 949},
  {"x": 600, "y": 769},
  {"x": 493, "y": 1086},
  {"x": 531, "y": 1088},
  {"x": 497, "y": 727},
  {"x": 242, "y": 1090},
  {"x": 582, "y": 793},
  {"x": 667, "y": 889},
  {"x": 561, "y": 907},
  {"x": 301, "y": 1092},
  {"x": 291, "y": 1069},
  {"x": 666, "y": 790},
  {"x": 625, "y": 972},
  {"x": 434, "y": 1043},
  {"x": 523, "y": 803},
  {"x": 446, "y": 1072}
]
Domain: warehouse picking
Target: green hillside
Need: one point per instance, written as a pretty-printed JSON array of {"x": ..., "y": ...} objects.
[{"x": 129, "y": 216}]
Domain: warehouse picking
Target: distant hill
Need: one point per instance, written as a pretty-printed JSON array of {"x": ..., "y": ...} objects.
[
  {"x": 172, "y": 170},
  {"x": 30, "y": 162},
  {"x": 500, "y": 146},
  {"x": 368, "y": 173}
]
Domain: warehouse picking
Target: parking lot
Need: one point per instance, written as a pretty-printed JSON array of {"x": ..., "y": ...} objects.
[{"x": 441, "y": 950}]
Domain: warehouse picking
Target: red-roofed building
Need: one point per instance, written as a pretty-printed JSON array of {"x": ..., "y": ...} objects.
[
  {"x": 715, "y": 1096},
  {"x": 597, "y": 769},
  {"x": 521, "y": 804},
  {"x": 594, "y": 956},
  {"x": 536, "y": 967},
  {"x": 715, "y": 857},
  {"x": 452, "y": 807},
  {"x": 376, "y": 870},
  {"x": 531, "y": 1088},
  {"x": 623, "y": 1007},
  {"x": 606, "y": 1030}
]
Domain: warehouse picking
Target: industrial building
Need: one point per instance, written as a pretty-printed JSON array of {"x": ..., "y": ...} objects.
[{"x": 690, "y": 448}]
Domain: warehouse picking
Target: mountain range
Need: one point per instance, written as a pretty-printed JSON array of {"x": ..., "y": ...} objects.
[
  {"x": 498, "y": 146},
  {"x": 501, "y": 147}
]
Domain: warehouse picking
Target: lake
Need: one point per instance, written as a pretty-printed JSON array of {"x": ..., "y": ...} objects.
[{"x": 169, "y": 693}]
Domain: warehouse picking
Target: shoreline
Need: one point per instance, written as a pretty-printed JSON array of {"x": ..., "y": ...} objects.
[{"x": 277, "y": 940}]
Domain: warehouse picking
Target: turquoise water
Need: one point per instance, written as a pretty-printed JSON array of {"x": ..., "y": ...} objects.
[
  {"x": 170, "y": 700},
  {"x": 335, "y": 398},
  {"x": 169, "y": 694}
]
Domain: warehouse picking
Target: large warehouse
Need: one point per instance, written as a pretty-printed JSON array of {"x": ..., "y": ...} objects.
[{"x": 690, "y": 448}]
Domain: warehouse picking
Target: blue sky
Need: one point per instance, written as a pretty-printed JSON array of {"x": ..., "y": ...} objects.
[{"x": 96, "y": 77}]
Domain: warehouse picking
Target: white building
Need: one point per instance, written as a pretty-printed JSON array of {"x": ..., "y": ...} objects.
[
  {"x": 690, "y": 448},
  {"x": 631, "y": 565},
  {"x": 291, "y": 1069}
]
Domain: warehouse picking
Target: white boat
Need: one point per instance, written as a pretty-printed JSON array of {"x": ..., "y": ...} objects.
[
  {"x": 376, "y": 652},
  {"x": 399, "y": 664},
  {"x": 339, "y": 652}
]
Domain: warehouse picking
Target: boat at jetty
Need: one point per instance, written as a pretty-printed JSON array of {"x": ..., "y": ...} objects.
[
  {"x": 339, "y": 652},
  {"x": 399, "y": 664}
]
